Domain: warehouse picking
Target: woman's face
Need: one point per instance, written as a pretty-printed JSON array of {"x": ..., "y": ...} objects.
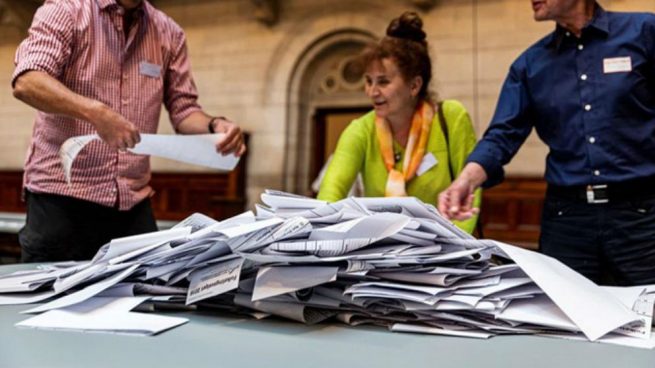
[{"x": 390, "y": 94}]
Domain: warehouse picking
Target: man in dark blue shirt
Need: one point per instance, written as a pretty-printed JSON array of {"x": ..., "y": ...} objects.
[{"x": 588, "y": 89}]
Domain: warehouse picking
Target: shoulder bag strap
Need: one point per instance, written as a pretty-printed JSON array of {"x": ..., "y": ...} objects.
[{"x": 444, "y": 129}]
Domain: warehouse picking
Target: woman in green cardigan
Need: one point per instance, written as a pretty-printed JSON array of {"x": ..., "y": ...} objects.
[{"x": 407, "y": 145}]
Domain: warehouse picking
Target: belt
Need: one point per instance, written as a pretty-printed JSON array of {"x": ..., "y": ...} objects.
[{"x": 605, "y": 193}]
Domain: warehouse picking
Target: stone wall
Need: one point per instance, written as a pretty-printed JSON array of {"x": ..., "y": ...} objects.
[{"x": 243, "y": 67}]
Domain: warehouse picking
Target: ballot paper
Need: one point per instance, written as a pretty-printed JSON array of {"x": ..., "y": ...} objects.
[
  {"x": 23, "y": 282},
  {"x": 25, "y": 298},
  {"x": 294, "y": 311},
  {"x": 214, "y": 280},
  {"x": 272, "y": 281},
  {"x": 639, "y": 301},
  {"x": 592, "y": 309},
  {"x": 406, "y": 327},
  {"x": 198, "y": 149},
  {"x": 120, "y": 246},
  {"x": 84, "y": 294},
  {"x": 104, "y": 315},
  {"x": 391, "y": 262}
]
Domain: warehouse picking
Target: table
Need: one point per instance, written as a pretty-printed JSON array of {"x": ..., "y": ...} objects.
[{"x": 219, "y": 340}]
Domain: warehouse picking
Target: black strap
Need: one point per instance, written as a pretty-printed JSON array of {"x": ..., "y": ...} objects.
[{"x": 444, "y": 129}]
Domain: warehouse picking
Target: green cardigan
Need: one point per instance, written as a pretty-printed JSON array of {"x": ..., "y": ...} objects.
[{"x": 358, "y": 151}]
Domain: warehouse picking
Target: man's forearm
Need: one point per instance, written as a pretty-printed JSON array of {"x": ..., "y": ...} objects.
[
  {"x": 45, "y": 93},
  {"x": 474, "y": 174},
  {"x": 196, "y": 123}
]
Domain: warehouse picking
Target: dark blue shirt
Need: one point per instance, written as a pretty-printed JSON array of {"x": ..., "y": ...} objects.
[{"x": 591, "y": 100}]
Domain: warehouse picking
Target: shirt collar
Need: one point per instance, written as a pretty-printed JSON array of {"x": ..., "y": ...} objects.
[
  {"x": 599, "y": 22},
  {"x": 106, "y": 4}
]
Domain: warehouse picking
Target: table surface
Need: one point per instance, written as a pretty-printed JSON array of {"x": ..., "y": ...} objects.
[{"x": 218, "y": 340}]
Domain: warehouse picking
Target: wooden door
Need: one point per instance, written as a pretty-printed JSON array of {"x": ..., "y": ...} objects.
[{"x": 330, "y": 123}]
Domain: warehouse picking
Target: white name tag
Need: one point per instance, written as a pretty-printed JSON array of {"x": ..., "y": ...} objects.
[
  {"x": 150, "y": 70},
  {"x": 617, "y": 65},
  {"x": 428, "y": 162}
]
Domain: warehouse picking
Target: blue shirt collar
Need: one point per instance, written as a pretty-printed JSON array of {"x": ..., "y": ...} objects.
[{"x": 599, "y": 22}]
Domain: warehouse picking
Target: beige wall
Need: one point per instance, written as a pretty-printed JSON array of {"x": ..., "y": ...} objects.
[{"x": 243, "y": 67}]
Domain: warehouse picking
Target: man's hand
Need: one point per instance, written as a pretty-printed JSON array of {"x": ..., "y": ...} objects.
[
  {"x": 233, "y": 141},
  {"x": 198, "y": 122},
  {"x": 115, "y": 130},
  {"x": 456, "y": 202}
]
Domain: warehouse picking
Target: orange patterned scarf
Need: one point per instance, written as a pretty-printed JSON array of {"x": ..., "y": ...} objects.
[{"x": 414, "y": 152}]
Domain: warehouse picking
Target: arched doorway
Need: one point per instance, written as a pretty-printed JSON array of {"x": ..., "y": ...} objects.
[{"x": 326, "y": 92}]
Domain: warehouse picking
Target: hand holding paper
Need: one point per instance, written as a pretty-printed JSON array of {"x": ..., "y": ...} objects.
[{"x": 197, "y": 149}]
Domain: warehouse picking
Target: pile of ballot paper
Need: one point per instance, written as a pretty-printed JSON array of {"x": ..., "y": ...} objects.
[{"x": 393, "y": 262}]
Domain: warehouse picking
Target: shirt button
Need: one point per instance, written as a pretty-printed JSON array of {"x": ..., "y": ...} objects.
[
  {"x": 587, "y": 107},
  {"x": 592, "y": 140},
  {"x": 568, "y": 34},
  {"x": 580, "y": 47},
  {"x": 583, "y": 77},
  {"x": 596, "y": 172},
  {"x": 113, "y": 190}
]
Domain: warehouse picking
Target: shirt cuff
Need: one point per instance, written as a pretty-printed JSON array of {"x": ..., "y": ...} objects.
[
  {"x": 26, "y": 67},
  {"x": 491, "y": 165}
]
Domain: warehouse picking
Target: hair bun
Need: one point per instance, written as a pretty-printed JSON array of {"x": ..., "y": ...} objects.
[{"x": 408, "y": 26}]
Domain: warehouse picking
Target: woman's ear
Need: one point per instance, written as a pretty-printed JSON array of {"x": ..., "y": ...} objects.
[{"x": 415, "y": 85}]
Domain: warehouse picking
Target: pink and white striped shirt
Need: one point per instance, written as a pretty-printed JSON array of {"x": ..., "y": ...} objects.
[{"x": 82, "y": 44}]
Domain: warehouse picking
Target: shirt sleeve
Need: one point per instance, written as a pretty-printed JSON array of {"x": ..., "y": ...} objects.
[
  {"x": 461, "y": 143},
  {"x": 180, "y": 92},
  {"x": 648, "y": 37},
  {"x": 48, "y": 45},
  {"x": 509, "y": 127},
  {"x": 346, "y": 163}
]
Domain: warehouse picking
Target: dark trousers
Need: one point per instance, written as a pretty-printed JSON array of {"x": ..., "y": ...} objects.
[
  {"x": 60, "y": 228},
  {"x": 609, "y": 243}
]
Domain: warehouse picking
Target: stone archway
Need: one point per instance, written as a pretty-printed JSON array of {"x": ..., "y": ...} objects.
[{"x": 325, "y": 77}]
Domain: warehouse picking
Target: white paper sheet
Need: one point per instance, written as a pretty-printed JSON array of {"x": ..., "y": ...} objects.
[
  {"x": 594, "y": 310},
  {"x": 405, "y": 327},
  {"x": 120, "y": 246},
  {"x": 84, "y": 294},
  {"x": 272, "y": 281},
  {"x": 104, "y": 315},
  {"x": 214, "y": 280},
  {"x": 197, "y": 149}
]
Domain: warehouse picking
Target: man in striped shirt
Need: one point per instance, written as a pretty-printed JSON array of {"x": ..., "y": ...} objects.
[{"x": 104, "y": 67}]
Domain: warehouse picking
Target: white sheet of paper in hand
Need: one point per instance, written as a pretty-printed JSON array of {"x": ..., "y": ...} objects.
[
  {"x": 70, "y": 149},
  {"x": 198, "y": 149}
]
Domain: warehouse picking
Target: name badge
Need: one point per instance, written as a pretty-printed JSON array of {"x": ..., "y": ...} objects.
[
  {"x": 428, "y": 162},
  {"x": 150, "y": 70},
  {"x": 617, "y": 65}
]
